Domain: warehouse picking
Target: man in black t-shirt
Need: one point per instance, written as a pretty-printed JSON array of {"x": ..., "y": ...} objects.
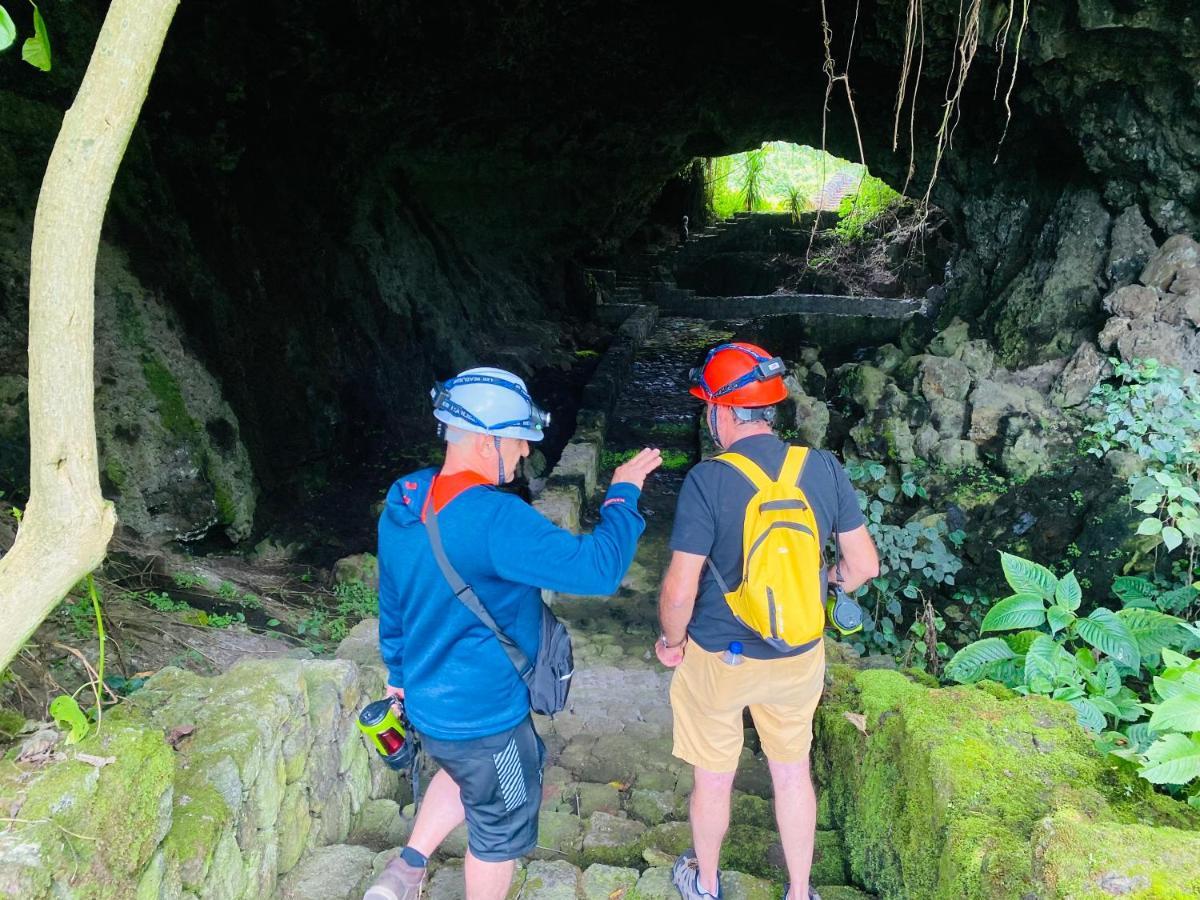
[{"x": 740, "y": 384}]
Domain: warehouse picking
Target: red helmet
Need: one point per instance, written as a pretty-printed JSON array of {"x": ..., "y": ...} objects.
[{"x": 740, "y": 375}]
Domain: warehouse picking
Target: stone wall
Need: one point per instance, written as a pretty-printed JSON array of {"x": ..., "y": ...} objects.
[
  {"x": 972, "y": 792},
  {"x": 573, "y": 480},
  {"x": 199, "y": 787}
]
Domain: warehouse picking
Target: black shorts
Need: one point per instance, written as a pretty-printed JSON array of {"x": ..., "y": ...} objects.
[{"x": 500, "y": 778}]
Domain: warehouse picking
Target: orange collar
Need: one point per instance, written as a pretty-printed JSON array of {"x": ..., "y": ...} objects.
[{"x": 446, "y": 487}]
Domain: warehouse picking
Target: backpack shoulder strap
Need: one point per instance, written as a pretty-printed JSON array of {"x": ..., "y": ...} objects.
[
  {"x": 753, "y": 472},
  {"x": 467, "y": 596},
  {"x": 793, "y": 465}
]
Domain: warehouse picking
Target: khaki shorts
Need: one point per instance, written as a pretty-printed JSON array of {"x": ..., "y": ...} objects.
[{"x": 708, "y": 696}]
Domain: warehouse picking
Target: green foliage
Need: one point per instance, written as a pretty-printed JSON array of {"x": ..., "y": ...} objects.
[
  {"x": 163, "y": 601},
  {"x": 1167, "y": 747},
  {"x": 1154, "y": 412},
  {"x": 672, "y": 460},
  {"x": 36, "y": 49},
  {"x": 858, "y": 212},
  {"x": 67, "y": 714},
  {"x": 776, "y": 177},
  {"x": 65, "y": 709},
  {"x": 353, "y": 602},
  {"x": 752, "y": 179},
  {"x": 187, "y": 580},
  {"x": 1057, "y": 653},
  {"x": 8, "y": 31},
  {"x": 916, "y": 560}
]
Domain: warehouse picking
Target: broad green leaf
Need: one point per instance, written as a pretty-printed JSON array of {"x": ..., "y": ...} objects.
[
  {"x": 1086, "y": 659},
  {"x": 1128, "y": 709},
  {"x": 1021, "y": 640},
  {"x": 1178, "y": 713},
  {"x": 1108, "y": 634},
  {"x": 1008, "y": 672},
  {"x": 1172, "y": 759},
  {"x": 1153, "y": 630},
  {"x": 66, "y": 712},
  {"x": 1176, "y": 682},
  {"x": 1027, "y": 577},
  {"x": 1059, "y": 618},
  {"x": 1173, "y": 660},
  {"x": 1150, "y": 526},
  {"x": 1068, "y": 593},
  {"x": 8, "y": 31},
  {"x": 1172, "y": 537},
  {"x": 968, "y": 663},
  {"x": 1017, "y": 611},
  {"x": 1089, "y": 716},
  {"x": 1128, "y": 588},
  {"x": 1047, "y": 659},
  {"x": 1141, "y": 735},
  {"x": 1105, "y": 706},
  {"x": 36, "y": 50}
]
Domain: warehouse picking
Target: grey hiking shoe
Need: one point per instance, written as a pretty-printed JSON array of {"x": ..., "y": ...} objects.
[
  {"x": 685, "y": 875},
  {"x": 398, "y": 881}
]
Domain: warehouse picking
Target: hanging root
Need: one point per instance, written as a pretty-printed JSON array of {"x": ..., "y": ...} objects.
[
  {"x": 1000, "y": 66},
  {"x": 832, "y": 78}
]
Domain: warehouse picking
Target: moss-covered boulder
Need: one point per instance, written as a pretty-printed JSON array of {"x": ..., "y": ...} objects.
[
  {"x": 86, "y": 826},
  {"x": 947, "y": 793}
]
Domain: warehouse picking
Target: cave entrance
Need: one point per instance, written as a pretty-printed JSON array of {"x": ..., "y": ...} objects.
[{"x": 781, "y": 177}]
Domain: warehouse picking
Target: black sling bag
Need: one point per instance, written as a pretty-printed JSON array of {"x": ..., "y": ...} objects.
[{"x": 549, "y": 676}]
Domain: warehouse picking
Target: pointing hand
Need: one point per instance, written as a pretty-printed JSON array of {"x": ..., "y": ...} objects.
[{"x": 634, "y": 471}]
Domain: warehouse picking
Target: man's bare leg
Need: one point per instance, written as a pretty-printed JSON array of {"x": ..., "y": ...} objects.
[
  {"x": 488, "y": 880},
  {"x": 796, "y": 815},
  {"x": 440, "y": 813},
  {"x": 709, "y": 813}
]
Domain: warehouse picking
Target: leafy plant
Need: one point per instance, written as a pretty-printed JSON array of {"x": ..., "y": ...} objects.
[
  {"x": 1060, "y": 654},
  {"x": 1154, "y": 412},
  {"x": 916, "y": 560},
  {"x": 1167, "y": 747},
  {"x": 36, "y": 49},
  {"x": 187, "y": 580},
  {"x": 859, "y": 211},
  {"x": 161, "y": 601}
]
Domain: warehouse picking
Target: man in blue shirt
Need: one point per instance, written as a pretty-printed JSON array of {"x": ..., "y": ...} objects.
[{"x": 460, "y": 690}]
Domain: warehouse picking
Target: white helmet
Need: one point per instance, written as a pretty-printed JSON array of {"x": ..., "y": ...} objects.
[{"x": 489, "y": 401}]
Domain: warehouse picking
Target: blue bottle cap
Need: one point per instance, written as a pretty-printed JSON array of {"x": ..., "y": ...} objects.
[{"x": 735, "y": 647}]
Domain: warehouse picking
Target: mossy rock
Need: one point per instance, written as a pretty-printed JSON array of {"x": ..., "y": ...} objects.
[
  {"x": 88, "y": 831},
  {"x": 1077, "y": 857},
  {"x": 600, "y": 882},
  {"x": 943, "y": 795},
  {"x": 552, "y": 880},
  {"x": 612, "y": 840},
  {"x": 747, "y": 848},
  {"x": 654, "y": 884}
]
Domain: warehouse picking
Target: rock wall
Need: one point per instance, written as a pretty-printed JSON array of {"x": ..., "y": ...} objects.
[
  {"x": 200, "y": 787},
  {"x": 338, "y": 213},
  {"x": 976, "y": 792}
]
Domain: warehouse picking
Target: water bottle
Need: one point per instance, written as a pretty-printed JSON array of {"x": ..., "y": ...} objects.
[{"x": 733, "y": 656}]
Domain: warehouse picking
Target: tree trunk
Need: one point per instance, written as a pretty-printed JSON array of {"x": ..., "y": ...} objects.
[{"x": 67, "y": 523}]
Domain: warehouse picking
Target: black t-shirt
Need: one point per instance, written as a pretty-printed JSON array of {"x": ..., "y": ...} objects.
[{"x": 709, "y": 520}]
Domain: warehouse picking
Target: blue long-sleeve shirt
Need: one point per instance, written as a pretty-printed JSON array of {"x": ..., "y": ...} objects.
[{"x": 458, "y": 683}]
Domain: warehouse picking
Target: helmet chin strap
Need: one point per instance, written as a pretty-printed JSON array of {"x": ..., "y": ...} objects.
[
  {"x": 499, "y": 461},
  {"x": 712, "y": 425}
]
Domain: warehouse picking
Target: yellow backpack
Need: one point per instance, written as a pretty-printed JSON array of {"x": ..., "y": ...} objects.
[{"x": 780, "y": 593}]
